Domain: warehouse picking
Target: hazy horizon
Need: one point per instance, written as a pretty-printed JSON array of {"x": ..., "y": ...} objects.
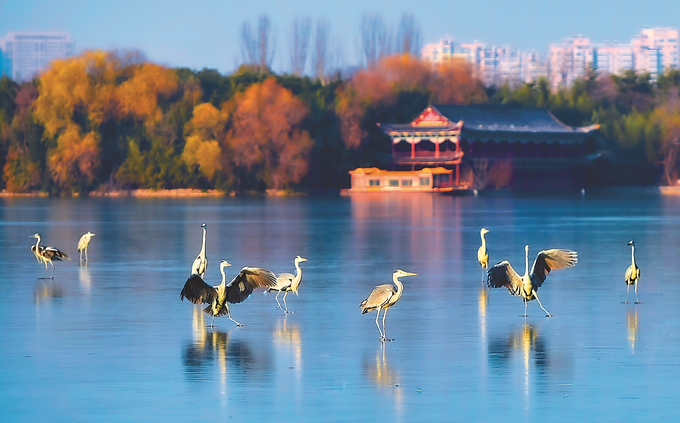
[{"x": 206, "y": 35}]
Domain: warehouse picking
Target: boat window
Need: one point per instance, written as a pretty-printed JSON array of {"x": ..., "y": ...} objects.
[
  {"x": 374, "y": 182},
  {"x": 407, "y": 183},
  {"x": 394, "y": 182},
  {"x": 425, "y": 181}
]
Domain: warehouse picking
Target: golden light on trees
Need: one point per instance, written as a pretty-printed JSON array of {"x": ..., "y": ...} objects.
[
  {"x": 75, "y": 158},
  {"x": 265, "y": 136}
]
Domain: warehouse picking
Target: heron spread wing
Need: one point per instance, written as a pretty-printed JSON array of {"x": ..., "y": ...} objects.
[
  {"x": 503, "y": 275},
  {"x": 54, "y": 254},
  {"x": 246, "y": 281},
  {"x": 379, "y": 297},
  {"x": 548, "y": 260},
  {"x": 197, "y": 291}
]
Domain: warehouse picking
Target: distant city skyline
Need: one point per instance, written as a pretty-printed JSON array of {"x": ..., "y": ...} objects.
[{"x": 206, "y": 34}]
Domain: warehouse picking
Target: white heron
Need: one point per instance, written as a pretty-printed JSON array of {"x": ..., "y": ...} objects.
[
  {"x": 632, "y": 275},
  {"x": 483, "y": 253},
  {"x": 46, "y": 255},
  {"x": 287, "y": 282},
  {"x": 200, "y": 264},
  {"x": 83, "y": 243},
  {"x": 382, "y": 298},
  {"x": 218, "y": 297},
  {"x": 526, "y": 286}
]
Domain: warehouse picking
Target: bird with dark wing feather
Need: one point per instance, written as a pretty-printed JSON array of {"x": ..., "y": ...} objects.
[{"x": 218, "y": 297}]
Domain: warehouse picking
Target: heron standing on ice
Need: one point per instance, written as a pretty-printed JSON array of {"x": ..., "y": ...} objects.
[
  {"x": 632, "y": 275},
  {"x": 382, "y": 298},
  {"x": 46, "y": 255},
  {"x": 200, "y": 264},
  {"x": 83, "y": 243},
  {"x": 287, "y": 282}
]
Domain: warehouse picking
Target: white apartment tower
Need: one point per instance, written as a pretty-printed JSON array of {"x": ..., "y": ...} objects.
[{"x": 25, "y": 54}]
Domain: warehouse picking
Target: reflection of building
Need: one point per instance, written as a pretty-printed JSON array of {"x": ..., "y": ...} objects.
[
  {"x": 27, "y": 53},
  {"x": 498, "y": 145},
  {"x": 425, "y": 180}
]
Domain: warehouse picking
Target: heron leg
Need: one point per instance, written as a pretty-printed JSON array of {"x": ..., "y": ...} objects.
[
  {"x": 385, "y": 330},
  {"x": 81, "y": 255},
  {"x": 277, "y": 300},
  {"x": 382, "y": 336},
  {"x": 85, "y": 253},
  {"x": 43, "y": 275},
  {"x": 525, "y": 309},
  {"x": 627, "y": 291},
  {"x": 547, "y": 314},
  {"x": 284, "y": 302},
  {"x": 229, "y": 314},
  {"x": 52, "y": 274},
  {"x": 637, "y": 300},
  {"x": 212, "y": 324}
]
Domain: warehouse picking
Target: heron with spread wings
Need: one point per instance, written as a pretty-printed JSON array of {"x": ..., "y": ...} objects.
[
  {"x": 218, "y": 297},
  {"x": 526, "y": 286},
  {"x": 46, "y": 255}
]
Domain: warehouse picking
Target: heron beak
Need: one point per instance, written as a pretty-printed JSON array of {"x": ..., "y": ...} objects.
[
  {"x": 631, "y": 243},
  {"x": 303, "y": 259},
  {"x": 411, "y": 274}
]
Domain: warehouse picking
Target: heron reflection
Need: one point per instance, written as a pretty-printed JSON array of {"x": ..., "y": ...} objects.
[
  {"x": 378, "y": 371},
  {"x": 632, "y": 320},
  {"x": 46, "y": 291},
  {"x": 525, "y": 341},
  {"x": 84, "y": 277}
]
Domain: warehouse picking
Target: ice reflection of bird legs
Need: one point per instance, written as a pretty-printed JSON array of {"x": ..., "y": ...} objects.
[
  {"x": 632, "y": 319},
  {"x": 290, "y": 335},
  {"x": 525, "y": 340},
  {"x": 384, "y": 377},
  {"x": 84, "y": 276},
  {"x": 47, "y": 290},
  {"x": 216, "y": 340},
  {"x": 483, "y": 302}
]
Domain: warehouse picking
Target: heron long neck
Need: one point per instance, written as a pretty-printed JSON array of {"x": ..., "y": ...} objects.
[
  {"x": 298, "y": 276},
  {"x": 37, "y": 244},
  {"x": 633, "y": 255},
  {"x": 483, "y": 241},
  {"x": 224, "y": 277},
  {"x": 205, "y": 231},
  {"x": 400, "y": 287},
  {"x": 526, "y": 261}
]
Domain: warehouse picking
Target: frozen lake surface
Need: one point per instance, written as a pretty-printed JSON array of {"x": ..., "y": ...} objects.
[{"x": 111, "y": 341}]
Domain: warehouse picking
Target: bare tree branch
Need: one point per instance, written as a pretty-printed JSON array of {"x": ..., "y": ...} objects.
[
  {"x": 265, "y": 43},
  {"x": 248, "y": 46},
  {"x": 299, "y": 44},
  {"x": 376, "y": 38},
  {"x": 408, "y": 35},
  {"x": 320, "y": 53}
]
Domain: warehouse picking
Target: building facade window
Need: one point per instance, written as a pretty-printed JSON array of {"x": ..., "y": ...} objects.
[
  {"x": 424, "y": 181},
  {"x": 393, "y": 182},
  {"x": 374, "y": 182}
]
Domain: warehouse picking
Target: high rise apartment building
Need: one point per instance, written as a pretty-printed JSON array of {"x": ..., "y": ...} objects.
[
  {"x": 25, "y": 54},
  {"x": 493, "y": 64},
  {"x": 652, "y": 51}
]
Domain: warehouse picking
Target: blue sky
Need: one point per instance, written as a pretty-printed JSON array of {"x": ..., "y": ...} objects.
[{"x": 205, "y": 33}]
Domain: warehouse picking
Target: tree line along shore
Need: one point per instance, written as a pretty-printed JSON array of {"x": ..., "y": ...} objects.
[{"x": 103, "y": 123}]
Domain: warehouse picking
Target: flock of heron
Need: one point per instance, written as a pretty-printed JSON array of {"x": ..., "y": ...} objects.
[{"x": 218, "y": 297}]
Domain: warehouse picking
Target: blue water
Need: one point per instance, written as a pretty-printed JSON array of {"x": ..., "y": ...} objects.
[{"x": 111, "y": 341}]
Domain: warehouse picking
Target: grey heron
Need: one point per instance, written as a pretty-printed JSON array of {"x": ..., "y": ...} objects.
[
  {"x": 382, "y": 298},
  {"x": 218, "y": 297},
  {"x": 83, "y": 243},
  {"x": 287, "y": 282},
  {"x": 200, "y": 264},
  {"x": 632, "y": 275},
  {"x": 526, "y": 286},
  {"x": 483, "y": 253},
  {"x": 46, "y": 255}
]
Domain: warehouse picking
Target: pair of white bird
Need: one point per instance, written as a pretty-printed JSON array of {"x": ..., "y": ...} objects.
[
  {"x": 48, "y": 254},
  {"x": 219, "y": 296}
]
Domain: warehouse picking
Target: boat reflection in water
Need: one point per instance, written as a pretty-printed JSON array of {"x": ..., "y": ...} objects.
[{"x": 632, "y": 323}]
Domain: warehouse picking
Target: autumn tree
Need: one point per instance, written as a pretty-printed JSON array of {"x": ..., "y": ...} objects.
[
  {"x": 202, "y": 148},
  {"x": 265, "y": 137}
]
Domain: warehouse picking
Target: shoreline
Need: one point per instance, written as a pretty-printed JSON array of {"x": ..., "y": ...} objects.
[{"x": 150, "y": 193}]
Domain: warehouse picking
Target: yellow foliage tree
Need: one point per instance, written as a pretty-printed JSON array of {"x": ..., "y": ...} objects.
[
  {"x": 265, "y": 133},
  {"x": 138, "y": 96},
  {"x": 202, "y": 148},
  {"x": 75, "y": 158}
]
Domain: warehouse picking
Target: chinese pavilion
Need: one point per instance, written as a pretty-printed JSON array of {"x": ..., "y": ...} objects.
[{"x": 533, "y": 147}]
